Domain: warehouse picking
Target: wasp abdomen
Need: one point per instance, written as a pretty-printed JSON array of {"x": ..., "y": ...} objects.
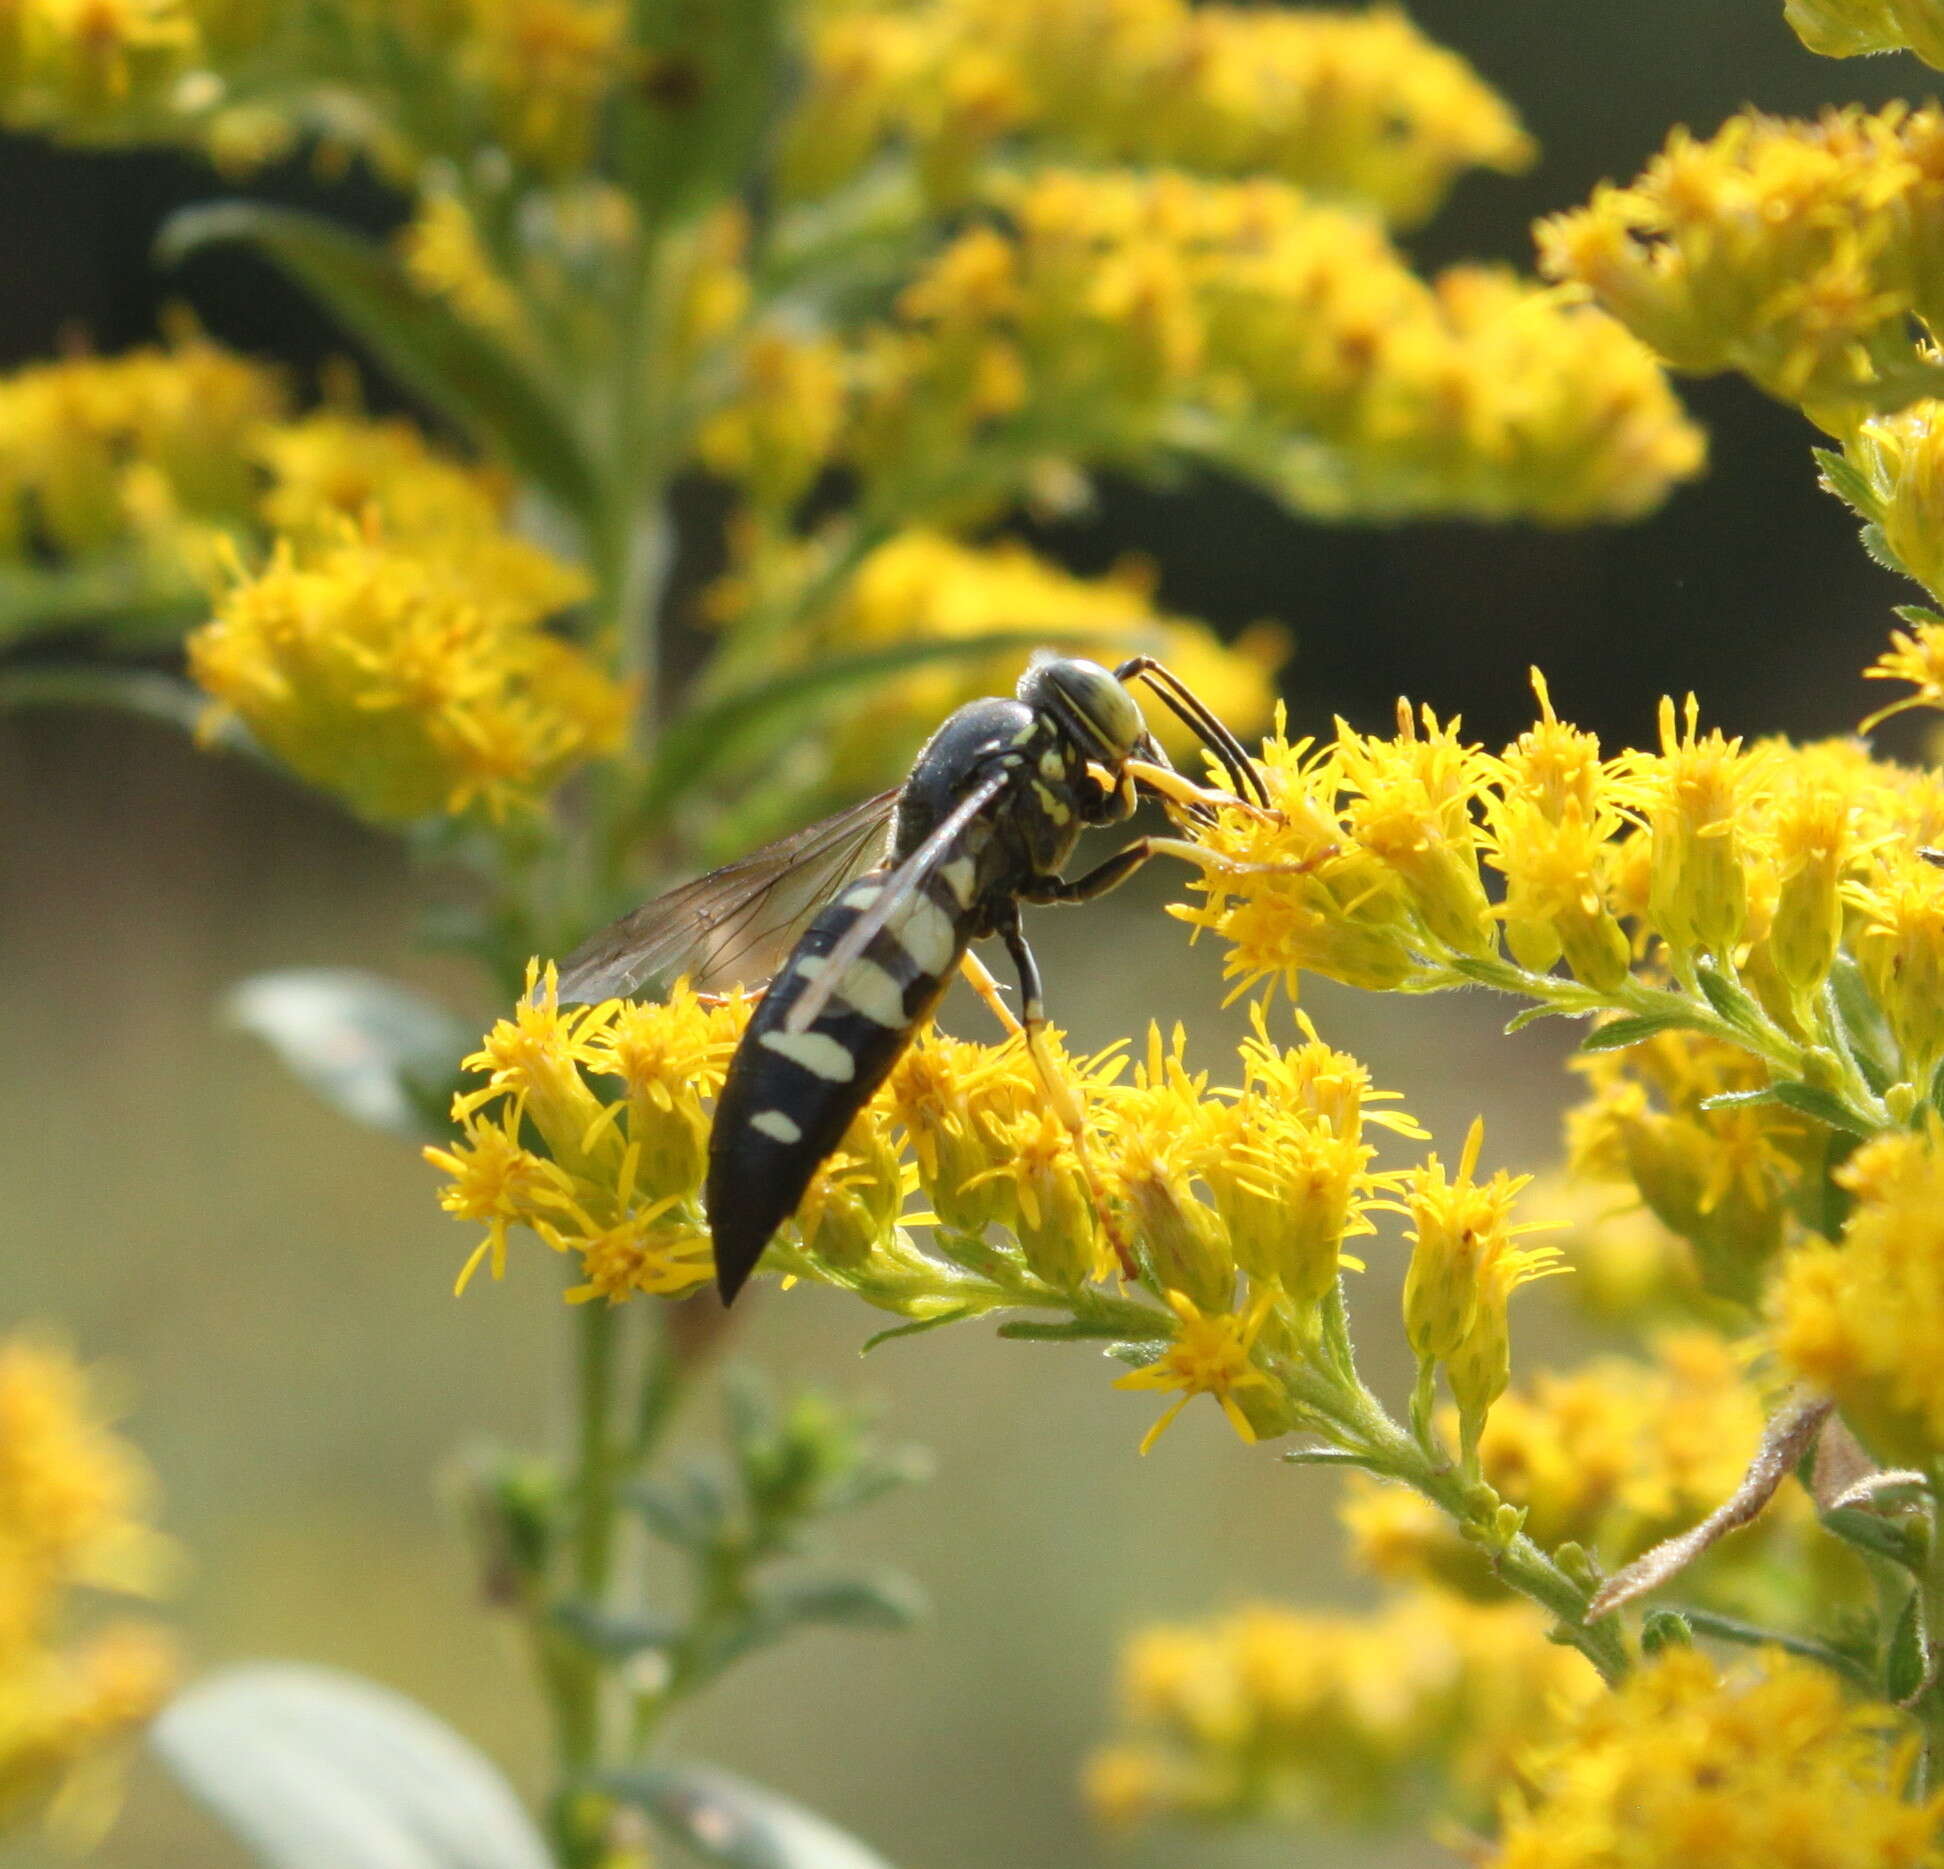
[{"x": 789, "y": 1096}]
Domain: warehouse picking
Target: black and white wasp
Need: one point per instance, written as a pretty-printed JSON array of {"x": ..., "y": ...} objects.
[{"x": 987, "y": 820}]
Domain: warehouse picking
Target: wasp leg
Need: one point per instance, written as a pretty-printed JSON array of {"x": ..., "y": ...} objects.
[
  {"x": 1059, "y": 1093},
  {"x": 978, "y": 976},
  {"x": 1123, "y": 863}
]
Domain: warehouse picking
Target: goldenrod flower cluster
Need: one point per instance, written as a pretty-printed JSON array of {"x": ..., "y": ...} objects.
[
  {"x": 1268, "y": 1712},
  {"x": 1614, "y": 1456},
  {"x": 1685, "y": 1768},
  {"x": 1235, "y": 1204},
  {"x": 1348, "y": 104},
  {"x": 1850, "y": 28},
  {"x": 924, "y": 586},
  {"x": 145, "y": 455},
  {"x": 1104, "y": 315},
  {"x": 74, "y": 1515},
  {"x": 1858, "y": 1319},
  {"x": 1795, "y": 253}
]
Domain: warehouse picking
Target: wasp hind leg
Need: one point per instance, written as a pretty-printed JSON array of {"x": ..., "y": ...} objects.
[{"x": 1059, "y": 1092}]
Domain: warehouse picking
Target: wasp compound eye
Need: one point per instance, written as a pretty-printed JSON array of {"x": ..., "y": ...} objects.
[{"x": 1087, "y": 701}]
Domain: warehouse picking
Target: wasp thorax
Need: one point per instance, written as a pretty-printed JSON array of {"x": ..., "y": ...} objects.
[{"x": 1088, "y": 702}]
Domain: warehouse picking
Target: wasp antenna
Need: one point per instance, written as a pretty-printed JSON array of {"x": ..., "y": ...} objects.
[{"x": 1201, "y": 720}]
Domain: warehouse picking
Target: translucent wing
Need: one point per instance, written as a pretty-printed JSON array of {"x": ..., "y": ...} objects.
[
  {"x": 735, "y": 924},
  {"x": 898, "y": 887}
]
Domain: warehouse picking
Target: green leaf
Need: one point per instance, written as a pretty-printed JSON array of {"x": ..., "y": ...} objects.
[
  {"x": 1863, "y": 1024},
  {"x": 1138, "y": 1352},
  {"x": 313, "y": 1769},
  {"x": 1736, "y": 1099},
  {"x": 729, "y": 1822},
  {"x": 1916, "y": 614},
  {"x": 1071, "y": 1330},
  {"x": 688, "y": 1512},
  {"x": 883, "y": 1601},
  {"x": 708, "y": 82},
  {"x": 1847, "y": 481},
  {"x": 1532, "y": 1015},
  {"x": 611, "y": 1634},
  {"x": 1906, "y": 1666},
  {"x": 918, "y": 1326},
  {"x": 1826, "y": 1108},
  {"x": 875, "y": 1475},
  {"x": 1617, "y": 1034},
  {"x": 1326, "y": 1457},
  {"x": 750, "y": 1408},
  {"x": 144, "y": 692},
  {"x": 1879, "y": 1536},
  {"x": 113, "y": 596},
  {"x": 375, "y": 1050},
  {"x": 1753, "y": 1635},
  {"x": 461, "y": 373}
]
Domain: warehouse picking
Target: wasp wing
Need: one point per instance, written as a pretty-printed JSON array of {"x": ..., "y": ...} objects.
[
  {"x": 733, "y": 925},
  {"x": 898, "y": 889}
]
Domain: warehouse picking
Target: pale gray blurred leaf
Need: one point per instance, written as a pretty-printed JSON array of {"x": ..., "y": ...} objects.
[
  {"x": 313, "y": 1769},
  {"x": 378, "y": 1051},
  {"x": 728, "y": 1821}
]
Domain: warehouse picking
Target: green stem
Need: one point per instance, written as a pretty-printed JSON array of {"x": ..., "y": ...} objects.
[{"x": 1930, "y": 1704}]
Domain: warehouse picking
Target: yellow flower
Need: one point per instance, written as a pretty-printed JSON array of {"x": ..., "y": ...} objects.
[
  {"x": 955, "y": 1101},
  {"x": 1859, "y": 1321},
  {"x": 1681, "y": 1768},
  {"x": 1463, "y": 1263},
  {"x": 1796, "y": 253},
  {"x": 447, "y": 260},
  {"x": 1211, "y": 1355},
  {"x": 74, "y": 1506},
  {"x": 780, "y": 429},
  {"x": 1274, "y": 1712},
  {"x": 547, "y": 65},
  {"x": 923, "y": 585},
  {"x": 1900, "y": 943},
  {"x": 1915, "y": 655},
  {"x": 408, "y": 683},
  {"x": 91, "y": 68},
  {"x": 1357, "y": 105}
]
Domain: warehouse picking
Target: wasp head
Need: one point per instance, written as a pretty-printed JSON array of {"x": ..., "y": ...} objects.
[{"x": 1094, "y": 710}]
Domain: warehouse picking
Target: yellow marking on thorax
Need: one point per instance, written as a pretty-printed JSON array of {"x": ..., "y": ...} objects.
[
  {"x": 961, "y": 877},
  {"x": 1055, "y": 807}
]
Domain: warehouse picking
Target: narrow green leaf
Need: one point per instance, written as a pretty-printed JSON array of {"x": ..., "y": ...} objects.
[
  {"x": 460, "y": 372},
  {"x": 1879, "y": 1536},
  {"x": 1812, "y": 1100},
  {"x": 728, "y": 1822},
  {"x": 1863, "y": 1027},
  {"x": 876, "y": 1475},
  {"x": 1325, "y": 1457},
  {"x": 1138, "y": 1353},
  {"x": 147, "y": 692},
  {"x": 1916, "y": 613},
  {"x": 313, "y": 1769},
  {"x": 612, "y": 1635},
  {"x": 112, "y": 597},
  {"x": 919, "y": 1326},
  {"x": 1617, "y": 1034},
  {"x": 1532, "y": 1015},
  {"x": 1906, "y": 1667},
  {"x": 687, "y": 1511},
  {"x": 1736, "y": 1099},
  {"x": 1071, "y": 1330},
  {"x": 1754, "y": 1635},
  {"x": 373, "y": 1049},
  {"x": 883, "y": 1601}
]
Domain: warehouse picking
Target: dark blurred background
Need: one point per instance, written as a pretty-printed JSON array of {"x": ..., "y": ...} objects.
[{"x": 272, "y": 1287}]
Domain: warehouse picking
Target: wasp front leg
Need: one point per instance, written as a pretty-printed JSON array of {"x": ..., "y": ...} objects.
[{"x": 1066, "y": 1105}]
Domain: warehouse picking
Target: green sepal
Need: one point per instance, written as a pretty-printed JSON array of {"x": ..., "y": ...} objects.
[
  {"x": 1617, "y": 1034},
  {"x": 1847, "y": 481},
  {"x": 1139, "y": 1352},
  {"x": 1864, "y": 1028},
  {"x": 1878, "y": 547},
  {"x": 1877, "y": 1535},
  {"x": 1906, "y": 1664},
  {"x": 433, "y": 352},
  {"x": 729, "y": 1823},
  {"x": 611, "y": 1634},
  {"x": 1728, "y": 997}
]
